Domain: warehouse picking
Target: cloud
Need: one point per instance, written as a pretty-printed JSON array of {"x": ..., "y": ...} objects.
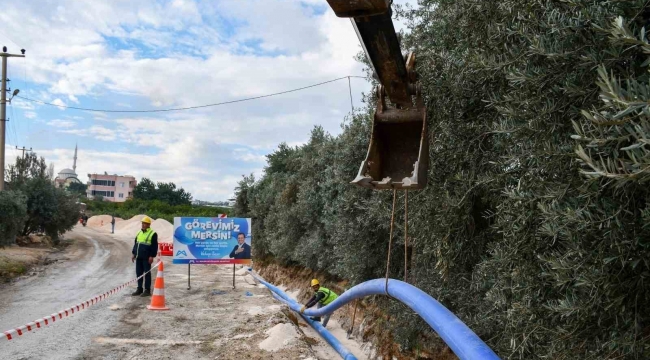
[
  {"x": 274, "y": 33},
  {"x": 22, "y": 104},
  {"x": 58, "y": 102},
  {"x": 152, "y": 54},
  {"x": 61, "y": 123},
  {"x": 95, "y": 131},
  {"x": 248, "y": 155},
  {"x": 204, "y": 181},
  {"x": 85, "y": 64}
]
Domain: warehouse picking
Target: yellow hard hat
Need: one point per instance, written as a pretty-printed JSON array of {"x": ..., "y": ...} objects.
[
  {"x": 314, "y": 282},
  {"x": 146, "y": 219}
]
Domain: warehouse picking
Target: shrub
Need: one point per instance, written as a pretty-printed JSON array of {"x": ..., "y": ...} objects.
[{"x": 13, "y": 211}]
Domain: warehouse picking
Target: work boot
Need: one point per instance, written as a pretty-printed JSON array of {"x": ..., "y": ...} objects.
[
  {"x": 146, "y": 293},
  {"x": 137, "y": 292}
]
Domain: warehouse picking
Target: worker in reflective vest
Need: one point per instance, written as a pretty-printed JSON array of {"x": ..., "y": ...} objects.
[
  {"x": 144, "y": 251},
  {"x": 323, "y": 296}
]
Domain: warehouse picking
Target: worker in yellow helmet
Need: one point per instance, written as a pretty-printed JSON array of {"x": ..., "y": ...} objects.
[
  {"x": 144, "y": 251},
  {"x": 323, "y": 296}
]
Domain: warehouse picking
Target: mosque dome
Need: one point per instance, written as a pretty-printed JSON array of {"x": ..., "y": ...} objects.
[{"x": 67, "y": 173}]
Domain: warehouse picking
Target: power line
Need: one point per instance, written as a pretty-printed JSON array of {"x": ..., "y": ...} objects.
[
  {"x": 13, "y": 123},
  {"x": 11, "y": 129},
  {"x": 23, "y": 150},
  {"x": 7, "y": 37},
  {"x": 24, "y": 84},
  {"x": 189, "y": 107}
]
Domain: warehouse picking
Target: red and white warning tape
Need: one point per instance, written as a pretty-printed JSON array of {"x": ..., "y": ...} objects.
[{"x": 46, "y": 320}]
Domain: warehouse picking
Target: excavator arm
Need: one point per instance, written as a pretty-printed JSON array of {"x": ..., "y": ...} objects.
[{"x": 398, "y": 154}]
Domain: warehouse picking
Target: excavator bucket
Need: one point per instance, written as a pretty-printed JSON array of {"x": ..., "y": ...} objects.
[
  {"x": 398, "y": 154},
  {"x": 356, "y": 8}
]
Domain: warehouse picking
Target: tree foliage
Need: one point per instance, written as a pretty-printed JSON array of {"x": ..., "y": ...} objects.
[
  {"x": 47, "y": 208},
  {"x": 13, "y": 211},
  {"x": 534, "y": 226},
  {"x": 242, "y": 205},
  {"x": 165, "y": 192},
  {"x": 24, "y": 169},
  {"x": 78, "y": 189},
  {"x": 50, "y": 172},
  {"x": 154, "y": 208},
  {"x": 41, "y": 205},
  {"x": 65, "y": 216}
]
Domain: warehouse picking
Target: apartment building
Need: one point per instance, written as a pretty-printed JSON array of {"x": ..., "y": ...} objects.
[{"x": 114, "y": 188}]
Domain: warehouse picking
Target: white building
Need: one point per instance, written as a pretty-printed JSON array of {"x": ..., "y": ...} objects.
[
  {"x": 67, "y": 176},
  {"x": 113, "y": 188}
]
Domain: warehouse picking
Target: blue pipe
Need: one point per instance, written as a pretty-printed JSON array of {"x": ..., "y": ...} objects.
[
  {"x": 333, "y": 341},
  {"x": 461, "y": 339},
  {"x": 320, "y": 329}
]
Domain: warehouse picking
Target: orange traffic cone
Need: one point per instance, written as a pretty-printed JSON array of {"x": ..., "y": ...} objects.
[{"x": 158, "y": 297}]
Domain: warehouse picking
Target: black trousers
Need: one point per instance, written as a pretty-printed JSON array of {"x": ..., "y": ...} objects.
[{"x": 142, "y": 266}]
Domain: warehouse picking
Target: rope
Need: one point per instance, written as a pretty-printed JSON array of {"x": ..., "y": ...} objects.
[
  {"x": 350, "y": 88},
  {"x": 46, "y": 320},
  {"x": 406, "y": 234},
  {"x": 354, "y": 314},
  {"x": 390, "y": 240}
]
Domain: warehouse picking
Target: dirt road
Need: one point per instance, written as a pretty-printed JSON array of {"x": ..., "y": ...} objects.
[
  {"x": 96, "y": 263},
  {"x": 210, "y": 321}
]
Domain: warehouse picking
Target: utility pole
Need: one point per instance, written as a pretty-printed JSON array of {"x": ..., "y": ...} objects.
[
  {"x": 23, "y": 150},
  {"x": 3, "y": 110}
]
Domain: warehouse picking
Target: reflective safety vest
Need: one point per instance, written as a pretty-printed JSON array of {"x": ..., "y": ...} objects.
[
  {"x": 144, "y": 239},
  {"x": 329, "y": 295}
]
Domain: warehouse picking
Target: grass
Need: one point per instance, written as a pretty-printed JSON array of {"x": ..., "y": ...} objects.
[
  {"x": 18, "y": 260},
  {"x": 10, "y": 268}
]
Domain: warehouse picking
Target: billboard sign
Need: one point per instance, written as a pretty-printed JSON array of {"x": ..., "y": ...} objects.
[{"x": 212, "y": 240}]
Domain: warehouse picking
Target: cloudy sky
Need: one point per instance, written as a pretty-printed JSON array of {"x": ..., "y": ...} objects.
[{"x": 150, "y": 54}]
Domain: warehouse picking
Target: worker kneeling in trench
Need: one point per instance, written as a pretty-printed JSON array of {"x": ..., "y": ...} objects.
[{"x": 323, "y": 296}]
